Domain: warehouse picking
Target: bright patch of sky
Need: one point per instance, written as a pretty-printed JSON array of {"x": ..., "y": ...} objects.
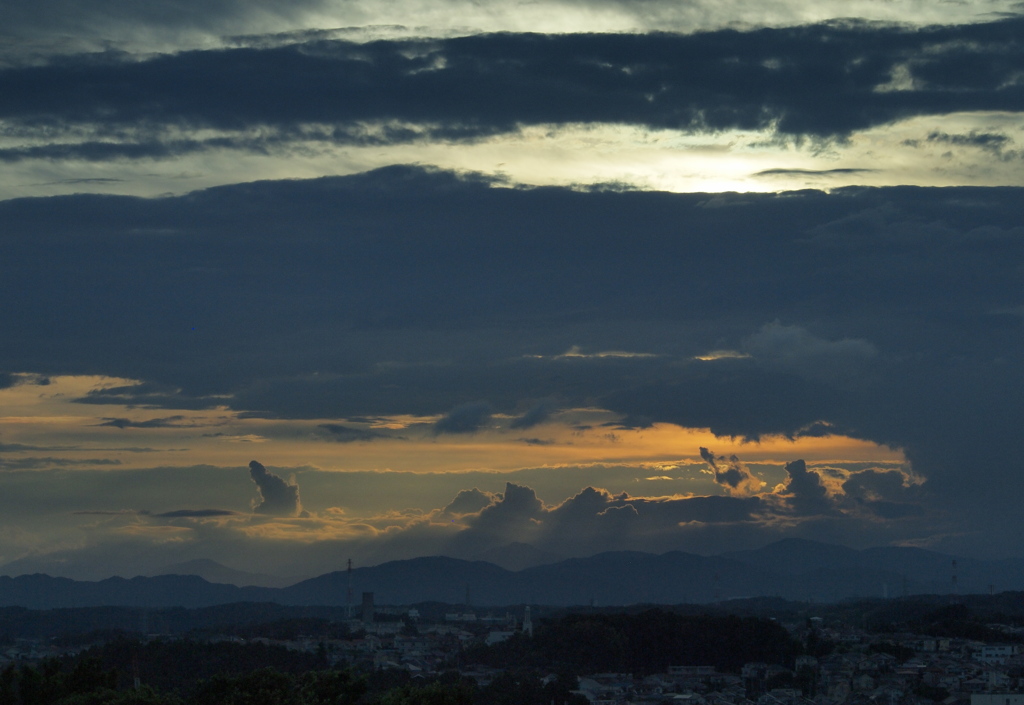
[{"x": 970, "y": 149}]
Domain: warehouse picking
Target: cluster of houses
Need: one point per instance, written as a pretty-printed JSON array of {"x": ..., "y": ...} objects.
[
  {"x": 953, "y": 672},
  {"x": 861, "y": 671}
]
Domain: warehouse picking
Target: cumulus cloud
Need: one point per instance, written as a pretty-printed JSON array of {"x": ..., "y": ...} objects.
[
  {"x": 731, "y": 474},
  {"x": 276, "y": 497},
  {"x": 594, "y": 520},
  {"x": 518, "y": 504},
  {"x": 470, "y": 502},
  {"x": 804, "y": 490}
]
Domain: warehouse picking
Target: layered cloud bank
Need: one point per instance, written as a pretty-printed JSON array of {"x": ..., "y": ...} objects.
[
  {"x": 410, "y": 316},
  {"x": 795, "y": 81},
  {"x": 753, "y": 109}
]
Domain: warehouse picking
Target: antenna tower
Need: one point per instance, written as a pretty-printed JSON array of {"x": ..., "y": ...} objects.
[
  {"x": 348, "y": 603},
  {"x": 955, "y": 597}
]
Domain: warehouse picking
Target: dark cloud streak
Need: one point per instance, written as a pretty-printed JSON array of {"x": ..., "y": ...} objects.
[{"x": 822, "y": 81}]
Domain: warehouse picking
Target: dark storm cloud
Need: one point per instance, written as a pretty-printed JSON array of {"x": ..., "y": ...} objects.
[
  {"x": 823, "y": 80},
  {"x": 876, "y": 313},
  {"x": 277, "y": 497},
  {"x": 992, "y": 142},
  {"x": 465, "y": 418},
  {"x": 985, "y": 140},
  {"x": 884, "y": 493}
]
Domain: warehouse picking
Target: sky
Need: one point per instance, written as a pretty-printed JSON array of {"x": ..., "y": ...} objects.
[{"x": 288, "y": 284}]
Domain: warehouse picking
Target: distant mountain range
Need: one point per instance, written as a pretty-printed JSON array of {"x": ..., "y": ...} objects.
[{"x": 793, "y": 569}]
